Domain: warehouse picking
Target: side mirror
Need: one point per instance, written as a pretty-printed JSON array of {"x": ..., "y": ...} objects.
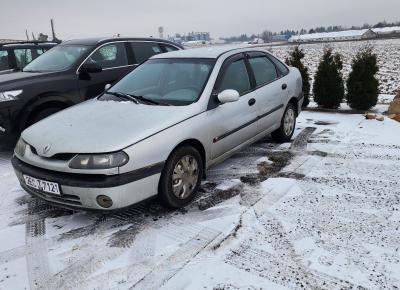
[
  {"x": 90, "y": 68},
  {"x": 228, "y": 96},
  {"x": 107, "y": 86}
]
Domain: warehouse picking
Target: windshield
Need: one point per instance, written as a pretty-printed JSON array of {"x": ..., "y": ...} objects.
[
  {"x": 58, "y": 58},
  {"x": 171, "y": 81}
]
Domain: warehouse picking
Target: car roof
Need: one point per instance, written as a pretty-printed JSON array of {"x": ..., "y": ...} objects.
[
  {"x": 101, "y": 40},
  {"x": 28, "y": 44},
  {"x": 204, "y": 52}
]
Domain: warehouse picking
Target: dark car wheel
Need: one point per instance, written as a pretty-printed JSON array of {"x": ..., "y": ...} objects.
[
  {"x": 181, "y": 177},
  {"x": 42, "y": 114},
  {"x": 288, "y": 124}
]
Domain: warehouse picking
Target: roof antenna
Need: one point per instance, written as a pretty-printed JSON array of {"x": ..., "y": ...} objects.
[
  {"x": 55, "y": 39},
  {"x": 27, "y": 36},
  {"x": 33, "y": 36}
]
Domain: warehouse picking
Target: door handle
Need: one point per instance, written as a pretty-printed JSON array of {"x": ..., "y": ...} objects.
[
  {"x": 252, "y": 102},
  {"x": 284, "y": 86}
]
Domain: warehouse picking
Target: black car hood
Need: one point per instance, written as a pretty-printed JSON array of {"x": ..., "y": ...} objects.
[{"x": 14, "y": 80}]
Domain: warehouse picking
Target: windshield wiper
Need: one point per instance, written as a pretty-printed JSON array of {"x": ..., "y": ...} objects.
[
  {"x": 124, "y": 96},
  {"x": 142, "y": 98}
]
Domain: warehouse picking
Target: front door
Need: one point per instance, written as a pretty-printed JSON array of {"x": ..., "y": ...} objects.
[
  {"x": 113, "y": 60},
  {"x": 236, "y": 122}
]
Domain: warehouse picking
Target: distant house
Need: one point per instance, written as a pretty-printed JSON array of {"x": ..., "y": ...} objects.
[
  {"x": 387, "y": 31},
  {"x": 335, "y": 36},
  {"x": 280, "y": 37}
]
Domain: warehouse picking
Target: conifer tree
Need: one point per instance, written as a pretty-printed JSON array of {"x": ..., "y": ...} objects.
[
  {"x": 328, "y": 86},
  {"x": 362, "y": 85},
  {"x": 295, "y": 60}
]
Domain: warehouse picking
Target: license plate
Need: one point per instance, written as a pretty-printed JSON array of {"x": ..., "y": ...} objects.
[{"x": 42, "y": 185}]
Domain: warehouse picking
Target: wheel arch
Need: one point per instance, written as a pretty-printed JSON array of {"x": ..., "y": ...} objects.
[
  {"x": 41, "y": 102},
  {"x": 198, "y": 146},
  {"x": 295, "y": 103}
]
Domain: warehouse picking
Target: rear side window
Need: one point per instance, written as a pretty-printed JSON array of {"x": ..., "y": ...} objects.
[
  {"x": 23, "y": 56},
  {"x": 145, "y": 50},
  {"x": 283, "y": 70},
  {"x": 110, "y": 55},
  {"x": 264, "y": 70},
  {"x": 4, "y": 60},
  {"x": 236, "y": 78},
  {"x": 169, "y": 48}
]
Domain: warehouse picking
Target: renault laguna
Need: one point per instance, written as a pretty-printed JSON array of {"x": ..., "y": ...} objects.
[{"x": 157, "y": 130}]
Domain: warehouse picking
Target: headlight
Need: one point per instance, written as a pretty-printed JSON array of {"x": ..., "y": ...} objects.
[
  {"x": 99, "y": 161},
  {"x": 9, "y": 95},
  {"x": 20, "y": 148}
]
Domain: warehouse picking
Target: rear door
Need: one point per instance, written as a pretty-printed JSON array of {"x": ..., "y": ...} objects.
[
  {"x": 270, "y": 90},
  {"x": 236, "y": 122},
  {"x": 113, "y": 59}
]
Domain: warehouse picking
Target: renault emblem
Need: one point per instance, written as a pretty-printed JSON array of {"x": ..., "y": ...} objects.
[{"x": 46, "y": 149}]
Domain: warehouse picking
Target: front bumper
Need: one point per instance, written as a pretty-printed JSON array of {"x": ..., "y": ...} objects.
[{"x": 80, "y": 191}]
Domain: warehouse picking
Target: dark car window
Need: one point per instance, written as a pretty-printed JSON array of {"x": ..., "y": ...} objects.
[
  {"x": 4, "y": 60},
  {"x": 283, "y": 70},
  {"x": 23, "y": 56},
  {"x": 110, "y": 55},
  {"x": 236, "y": 77},
  {"x": 145, "y": 50},
  {"x": 264, "y": 70},
  {"x": 169, "y": 48}
]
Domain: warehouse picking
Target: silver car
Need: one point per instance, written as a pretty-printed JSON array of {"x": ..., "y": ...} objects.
[{"x": 156, "y": 131}]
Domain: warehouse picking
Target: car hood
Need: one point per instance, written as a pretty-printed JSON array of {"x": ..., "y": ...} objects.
[
  {"x": 102, "y": 126},
  {"x": 14, "y": 79}
]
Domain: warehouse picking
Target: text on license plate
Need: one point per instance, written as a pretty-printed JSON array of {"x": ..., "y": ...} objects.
[{"x": 42, "y": 185}]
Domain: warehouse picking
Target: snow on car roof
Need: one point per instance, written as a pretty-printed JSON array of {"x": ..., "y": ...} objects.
[{"x": 203, "y": 52}]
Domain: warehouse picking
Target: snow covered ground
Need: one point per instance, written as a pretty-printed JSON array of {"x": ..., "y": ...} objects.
[
  {"x": 322, "y": 212},
  {"x": 387, "y": 50}
]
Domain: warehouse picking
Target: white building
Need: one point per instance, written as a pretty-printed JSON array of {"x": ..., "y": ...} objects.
[{"x": 335, "y": 36}]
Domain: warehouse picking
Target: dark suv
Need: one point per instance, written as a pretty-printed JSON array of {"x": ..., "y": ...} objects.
[
  {"x": 70, "y": 73},
  {"x": 16, "y": 55}
]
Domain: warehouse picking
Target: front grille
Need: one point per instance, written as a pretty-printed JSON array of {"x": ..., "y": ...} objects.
[{"x": 58, "y": 156}]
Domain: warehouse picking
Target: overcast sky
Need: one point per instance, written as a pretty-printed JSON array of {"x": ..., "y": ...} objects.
[{"x": 76, "y": 18}]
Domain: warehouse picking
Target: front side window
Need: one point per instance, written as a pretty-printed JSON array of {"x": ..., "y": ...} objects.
[
  {"x": 172, "y": 81},
  {"x": 23, "y": 56},
  {"x": 109, "y": 56},
  {"x": 145, "y": 50},
  {"x": 4, "y": 60},
  {"x": 58, "y": 58},
  {"x": 264, "y": 70},
  {"x": 235, "y": 77}
]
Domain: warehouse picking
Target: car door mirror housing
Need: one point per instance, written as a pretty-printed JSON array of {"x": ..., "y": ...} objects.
[
  {"x": 228, "y": 96},
  {"x": 90, "y": 68}
]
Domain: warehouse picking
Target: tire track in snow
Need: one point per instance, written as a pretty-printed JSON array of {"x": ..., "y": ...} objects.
[
  {"x": 36, "y": 251},
  {"x": 177, "y": 261}
]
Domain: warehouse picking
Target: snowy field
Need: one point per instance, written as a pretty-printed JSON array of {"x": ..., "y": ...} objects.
[
  {"x": 322, "y": 212},
  {"x": 387, "y": 50}
]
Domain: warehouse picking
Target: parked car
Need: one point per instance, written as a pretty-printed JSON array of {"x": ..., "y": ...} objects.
[
  {"x": 16, "y": 55},
  {"x": 158, "y": 129},
  {"x": 70, "y": 73}
]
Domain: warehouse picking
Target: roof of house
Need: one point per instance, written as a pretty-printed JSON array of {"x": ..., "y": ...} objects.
[{"x": 335, "y": 34}]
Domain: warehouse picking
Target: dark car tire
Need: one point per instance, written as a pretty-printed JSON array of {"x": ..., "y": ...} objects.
[
  {"x": 285, "y": 132},
  {"x": 42, "y": 114},
  {"x": 170, "y": 186}
]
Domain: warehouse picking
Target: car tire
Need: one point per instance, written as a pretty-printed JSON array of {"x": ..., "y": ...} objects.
[
  {"x": 181, "y": 177},
  {"x": 42, "y": 114},
  {"x": 288, "y": 123}
]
